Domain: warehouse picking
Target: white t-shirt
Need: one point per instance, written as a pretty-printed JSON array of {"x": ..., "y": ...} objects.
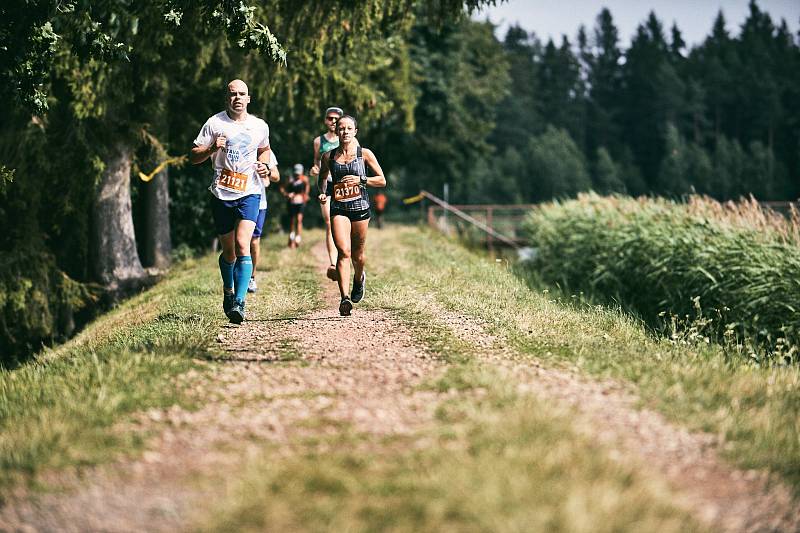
[
  {"x": 273, "y": 162},
  {"x": 234, "y": 166}
]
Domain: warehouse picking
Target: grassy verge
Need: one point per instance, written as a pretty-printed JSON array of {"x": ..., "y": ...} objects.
[
  {"x": 757, "y": 410},
  {"x": 64, "y": 408},
  {"x": 494, "y": 460}
]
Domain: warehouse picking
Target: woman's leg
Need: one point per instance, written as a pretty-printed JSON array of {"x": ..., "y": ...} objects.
[
  {"x": 299, "y": 225},
  {"x": 293, "y": 229},
  {"x": 358, "y": 240},
  {"x": 340, "y": 226},
  {"x": 326, "y": 216}
]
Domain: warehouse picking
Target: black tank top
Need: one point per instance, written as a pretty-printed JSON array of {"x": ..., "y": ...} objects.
[
  {"x": 339, "y": 171},
  {"x": 297, "y": 186}
]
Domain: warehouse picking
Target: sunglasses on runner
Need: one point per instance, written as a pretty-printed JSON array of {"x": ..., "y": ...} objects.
[{"x": 333, "y": 118}]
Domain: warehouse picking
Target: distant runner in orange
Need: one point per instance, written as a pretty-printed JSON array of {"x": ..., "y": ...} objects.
[
  {"x": 296, "y": 192},
  {"x": 380, "y": 207}
]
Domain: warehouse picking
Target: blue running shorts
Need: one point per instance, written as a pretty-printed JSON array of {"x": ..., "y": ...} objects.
[
  {"x": 227, "y": 212},
  {"x": 262, "y": 216}
]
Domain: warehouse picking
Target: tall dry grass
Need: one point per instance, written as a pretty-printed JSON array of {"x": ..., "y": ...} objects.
[{"x": 730, "y": 271}]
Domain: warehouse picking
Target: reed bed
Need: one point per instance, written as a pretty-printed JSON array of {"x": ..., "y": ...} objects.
[{"x": 727, "y": 272}]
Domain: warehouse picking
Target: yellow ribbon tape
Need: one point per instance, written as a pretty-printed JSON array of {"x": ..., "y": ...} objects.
[{"x": 171, "y": 161}]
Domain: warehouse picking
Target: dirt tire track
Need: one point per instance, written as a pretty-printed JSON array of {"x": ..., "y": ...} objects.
[{"x": 719, "y": 494}]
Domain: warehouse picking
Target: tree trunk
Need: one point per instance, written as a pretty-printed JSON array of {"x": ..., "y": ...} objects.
[
  {"x": 117, "y": 264},
  {"x": 157, "y": 241}
]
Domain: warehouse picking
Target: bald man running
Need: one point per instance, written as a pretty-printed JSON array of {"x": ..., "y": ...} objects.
[{"x": 238, "y": 145}]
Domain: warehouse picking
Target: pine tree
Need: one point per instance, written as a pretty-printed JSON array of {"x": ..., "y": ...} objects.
[
  {"x": 517, "y": 113},
  {"x": 604, "y": 75},
  {"x": 561, "y": 92},
  {"x": 607, "y": 178},
  {"x": 674, "y": 171},
  {"x": 557, "y": 167},
  {"x": 728, "y": 164}
]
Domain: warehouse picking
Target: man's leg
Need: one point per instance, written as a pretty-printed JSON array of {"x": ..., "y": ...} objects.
[
  {"x": 255, "y": 252},
  {"x": 227, "y": 259},
  {"x": 255, "y": 248},
  {"x": 224, "y": 222},
  {"x": 243, "y": 268}
]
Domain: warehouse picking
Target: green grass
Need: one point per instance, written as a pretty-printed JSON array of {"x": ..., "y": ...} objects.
[
  {"x": 64, "y": 409},
  {"x": 494, "y": 460},
  {"x": 757, "y": 410}
]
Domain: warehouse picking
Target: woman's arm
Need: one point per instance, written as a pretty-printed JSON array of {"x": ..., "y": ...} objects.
[{"x": 378, "y": 180}]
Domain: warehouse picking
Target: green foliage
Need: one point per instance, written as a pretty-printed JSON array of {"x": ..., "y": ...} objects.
[
  {"x": 607, "y": 176},
  {"x": 685, "y": 168},
  {"x": 557, "y": 166},
  {"x": 37, "y": 303},
  {"x": 658, "y": 257},
  {"x": 461, "y": 75}
]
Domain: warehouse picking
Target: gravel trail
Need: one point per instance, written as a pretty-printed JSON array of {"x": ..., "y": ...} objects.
[{"x": 283, "y": 380}]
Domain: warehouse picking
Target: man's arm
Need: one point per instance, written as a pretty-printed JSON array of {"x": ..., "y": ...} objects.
[
  {"x": 323, "y": 177},
  {"x": 198, "y": 154},
  {"x": 264, "y": 157},
  {"x": 315, "y": 169},
  {"x": 307, "y": 191}
]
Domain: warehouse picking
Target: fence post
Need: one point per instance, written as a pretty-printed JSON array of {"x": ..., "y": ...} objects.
[
  {"x": 489, "y": 238},
  {"x": 431, "y": 218}
]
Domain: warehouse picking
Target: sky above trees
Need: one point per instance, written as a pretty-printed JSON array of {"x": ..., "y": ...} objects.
[{"x": 695, "y": 19}]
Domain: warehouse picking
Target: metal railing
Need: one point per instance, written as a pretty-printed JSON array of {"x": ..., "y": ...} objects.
[{"x": 487, "y": 219}]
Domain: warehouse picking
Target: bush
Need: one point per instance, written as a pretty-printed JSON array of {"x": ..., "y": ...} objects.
[
  {"x": 37, "y": 303},
  {"x": 734, "y": 266}
]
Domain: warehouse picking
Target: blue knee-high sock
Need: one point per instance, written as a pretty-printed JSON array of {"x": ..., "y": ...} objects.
[
  {"x": 242, "y": 271},
  {"x": 226, "y": 269}
]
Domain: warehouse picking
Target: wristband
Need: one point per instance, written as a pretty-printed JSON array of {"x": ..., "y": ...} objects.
[{"x": 363, "y": 180}]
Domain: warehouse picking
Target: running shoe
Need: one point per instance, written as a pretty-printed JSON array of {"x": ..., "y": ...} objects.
[
  {"x": 358, "y": 288},
  {"x": 228, "y": 300},
  {"x": 237, "y": 313},
  {"x": 332, "y": 274},
  {"x": 252, "y": 286},
  {"x": 345, "y": 306}
]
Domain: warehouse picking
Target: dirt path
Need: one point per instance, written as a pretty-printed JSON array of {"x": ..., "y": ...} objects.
[
  {"x": 313, "y": 375},
  {"x": 284, "y": 380}
]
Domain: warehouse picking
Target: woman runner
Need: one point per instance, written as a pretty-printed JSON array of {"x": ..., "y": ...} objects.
[
  {"x": 349, "y": 208},
  {"x": 296, "y": 193}
]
